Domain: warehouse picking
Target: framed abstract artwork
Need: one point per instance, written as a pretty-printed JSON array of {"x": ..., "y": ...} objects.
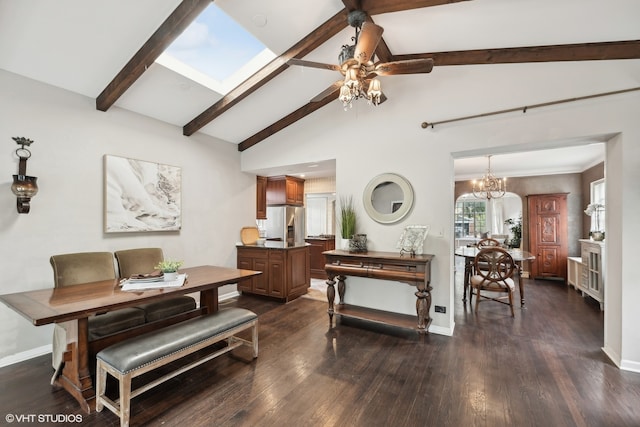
[{"x": 141, "y": 196}]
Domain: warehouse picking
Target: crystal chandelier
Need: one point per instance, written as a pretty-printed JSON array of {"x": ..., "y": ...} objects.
[{"x": 489, "y": 187}]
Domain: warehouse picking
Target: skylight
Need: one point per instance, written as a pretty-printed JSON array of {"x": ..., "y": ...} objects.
[{"x": 216, "y": 51}]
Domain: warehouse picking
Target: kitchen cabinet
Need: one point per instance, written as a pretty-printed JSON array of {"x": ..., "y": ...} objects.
[
  {"x": 261, "y": 197},
  {"x": 316, "y": 247},
  {"x": 285, "y": 190},
  {"x": 254, "y": 260},
  {"x": 285, "y": 270},
  {"x": 593, "y": 270}
]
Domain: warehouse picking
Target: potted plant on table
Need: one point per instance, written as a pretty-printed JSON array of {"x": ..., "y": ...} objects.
[
  {"x": 169, "y": 269},
  {"x": 594, "y": 210},
  {"x": 347, "y": 220}
]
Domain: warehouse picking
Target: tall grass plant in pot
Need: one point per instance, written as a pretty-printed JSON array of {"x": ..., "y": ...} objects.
[{"x": 347, "y": 220}]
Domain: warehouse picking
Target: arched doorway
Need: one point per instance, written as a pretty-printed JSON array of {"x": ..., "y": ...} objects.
[{"x": 498, "y": 218}]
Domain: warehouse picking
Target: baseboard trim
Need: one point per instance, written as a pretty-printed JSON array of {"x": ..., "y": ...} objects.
[
  {"x": 622, "y": 364},
  {"x": 612, "y": 355},
  {"x": 25, "y": 355},
  {"x": 228, "y": 296},
  {"x": 441, "y": 330}
]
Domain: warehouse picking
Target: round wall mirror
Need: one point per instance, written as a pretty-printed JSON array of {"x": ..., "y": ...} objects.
[{"x": 388, "y": 198}]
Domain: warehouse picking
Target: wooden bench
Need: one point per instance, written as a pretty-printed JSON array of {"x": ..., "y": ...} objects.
[{"x": 133, "y": 357}]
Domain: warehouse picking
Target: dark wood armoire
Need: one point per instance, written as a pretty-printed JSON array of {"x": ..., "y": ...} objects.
[{"x": 548, "y": 232}]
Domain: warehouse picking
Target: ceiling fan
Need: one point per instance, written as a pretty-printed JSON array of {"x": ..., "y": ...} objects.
[{"x": 358, "y": 68}]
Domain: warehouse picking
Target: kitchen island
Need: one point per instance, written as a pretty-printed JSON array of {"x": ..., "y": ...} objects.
[{"x": 285, "y": 269}]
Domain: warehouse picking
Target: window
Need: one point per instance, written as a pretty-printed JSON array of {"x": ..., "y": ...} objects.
[
  {"x": 470, "y": 217},
  {"x": 597, "y": 198},
  {"x": 216, "y": 52},
  {"x": 475, "y": 216}
]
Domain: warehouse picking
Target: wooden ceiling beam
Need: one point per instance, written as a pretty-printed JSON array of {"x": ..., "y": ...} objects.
[
  {"x": 374, "y": 7},
  {"x": 288, "y": 120},
  {"x": 323, "y": 33},
  {"x": 320, "y": 35},
  {"x": 171, "y": 28},
  {"x": 377, "y": 7},
  {"x": 554, "y": 53}
]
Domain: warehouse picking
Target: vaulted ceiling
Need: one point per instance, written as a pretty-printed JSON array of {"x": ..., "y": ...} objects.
[{"x": 106, "y": 51}]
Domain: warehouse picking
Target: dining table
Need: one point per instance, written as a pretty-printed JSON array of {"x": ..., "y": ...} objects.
[
  {"x": 469, "y": 253},
  {"x": 73, "y": 305}
]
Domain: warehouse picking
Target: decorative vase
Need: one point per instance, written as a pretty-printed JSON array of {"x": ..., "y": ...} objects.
[
  {"x": 358, "y": 243},
  {"x": 170, "y": 277},
  {"x": 344, "y": 244},
  {"x": 598, "y": 236}
]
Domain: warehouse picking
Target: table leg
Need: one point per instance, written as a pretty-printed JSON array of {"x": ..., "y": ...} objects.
[
  {"x": 520, "y": 284},
  {"x": 468, "y": 265},
  {"x": 75, "y": 377},
  {"x": 209, "y": 299},
  {"x": 423, "y": 305},
  {"x": 341, "y": 288},
  {"x": 331, "y": 296}
]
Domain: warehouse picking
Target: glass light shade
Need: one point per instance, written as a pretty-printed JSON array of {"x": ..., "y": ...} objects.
[
  {"x": 345, "y": 95},
  {"x": 375, "y": 91},
  {"x": 24, "y": 186},
  {"x": 351, "y": 78}
]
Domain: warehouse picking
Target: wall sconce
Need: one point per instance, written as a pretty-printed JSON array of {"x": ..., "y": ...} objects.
[{"x": 24, "y": 186}]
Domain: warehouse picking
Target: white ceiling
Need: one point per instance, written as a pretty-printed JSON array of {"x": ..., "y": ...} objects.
[{"x": 80, "y": 45}]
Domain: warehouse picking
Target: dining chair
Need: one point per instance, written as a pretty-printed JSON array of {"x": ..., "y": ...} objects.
[
  {"x": 493, "y": 272},
  {"x": 86, "y": 267},
  {"x": 488, "y": 241},
  {"x": 143, "y": 261}
]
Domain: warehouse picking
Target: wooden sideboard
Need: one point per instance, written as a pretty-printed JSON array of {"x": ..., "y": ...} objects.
[{"x": 413, "y": 270}]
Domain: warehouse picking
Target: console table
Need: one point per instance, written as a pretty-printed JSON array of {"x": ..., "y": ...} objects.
[{"x": 413, "y": 270}]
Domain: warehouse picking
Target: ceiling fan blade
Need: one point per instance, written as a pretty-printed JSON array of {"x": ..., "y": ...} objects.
[
  {"x": 327, "y": 92},
  {"x": 321, "y": 65},
  {"x": 368, "y": 40},
  {"x": 410, "y": 66}
]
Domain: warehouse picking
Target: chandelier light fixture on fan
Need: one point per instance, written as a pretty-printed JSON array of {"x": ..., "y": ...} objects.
[
  {"x": 358, "y": 68},
  {"x": 489, "y": 187},
  {"x": 355, "y": 84}
]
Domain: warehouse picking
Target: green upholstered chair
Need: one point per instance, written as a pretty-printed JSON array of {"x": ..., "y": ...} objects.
[
  {"x": 85, "y": 267},
  {"x": 143, "y": 261}
]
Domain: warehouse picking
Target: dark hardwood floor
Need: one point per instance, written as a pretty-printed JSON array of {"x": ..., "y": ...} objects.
[{"x": 545, "y": 367}]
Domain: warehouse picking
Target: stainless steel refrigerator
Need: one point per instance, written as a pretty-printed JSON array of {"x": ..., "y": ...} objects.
[{"x": 285, "y": 223}]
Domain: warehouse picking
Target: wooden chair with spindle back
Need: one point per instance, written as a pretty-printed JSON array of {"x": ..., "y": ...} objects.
[{"x": 493, "y": 272}]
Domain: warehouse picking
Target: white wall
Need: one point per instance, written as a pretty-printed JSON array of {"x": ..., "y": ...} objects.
[
  {"x": 71, "y": 137},
  {"x": 366, "y": 142}
]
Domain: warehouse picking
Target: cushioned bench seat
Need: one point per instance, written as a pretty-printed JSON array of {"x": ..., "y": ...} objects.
[
  {"x": 115, "y": 321},
  {"x": 133, "y": 357},
  {"x": 158, "y": 310}
]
